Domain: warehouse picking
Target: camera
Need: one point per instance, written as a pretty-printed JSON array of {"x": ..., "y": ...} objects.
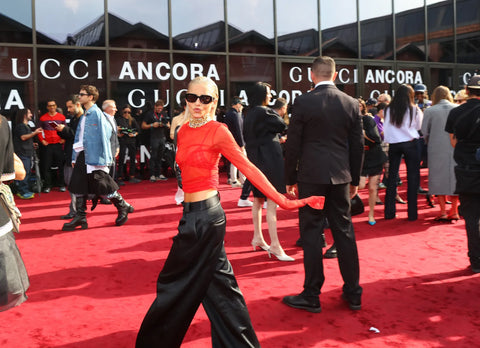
[{"x": 126, "y": 131}]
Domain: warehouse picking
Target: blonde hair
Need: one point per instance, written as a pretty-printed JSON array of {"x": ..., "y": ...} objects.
[
  {"x": 461, "y": 95},
  {"x": 440, "y": 93},
  {"x": 211, "y": 87}
]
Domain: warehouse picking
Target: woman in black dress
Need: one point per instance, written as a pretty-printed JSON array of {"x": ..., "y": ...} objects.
[
  {"x": 373, "y": 160},
  {"x": 261, "y": 131}
]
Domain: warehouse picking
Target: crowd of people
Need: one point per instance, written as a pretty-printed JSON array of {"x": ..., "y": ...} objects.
[
  {"x": 314, "y": 160},
  {"x": 45, "y": 145}
]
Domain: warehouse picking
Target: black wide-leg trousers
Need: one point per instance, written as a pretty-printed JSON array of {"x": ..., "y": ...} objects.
[{"x": 197, "y": 271}]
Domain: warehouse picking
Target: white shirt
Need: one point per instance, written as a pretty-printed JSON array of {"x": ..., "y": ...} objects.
[
  {"x": 407, "y": 131},
  {"x": 324, "y": 83},
  {"x": 78, "y": 146}
]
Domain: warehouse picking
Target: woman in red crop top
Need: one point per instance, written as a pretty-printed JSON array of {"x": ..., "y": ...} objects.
[{"x": 197, "y": 270}]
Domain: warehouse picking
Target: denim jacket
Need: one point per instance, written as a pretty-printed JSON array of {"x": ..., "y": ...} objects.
[{"x": 96, "y": 138}]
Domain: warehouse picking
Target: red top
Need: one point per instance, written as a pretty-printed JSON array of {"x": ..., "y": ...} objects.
[
  {"x": 198, "y": 155},
  {"x": 49, "y": 133}
]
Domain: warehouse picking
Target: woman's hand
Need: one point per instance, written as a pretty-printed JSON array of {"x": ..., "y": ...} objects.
[{"x": 316, "y": 202}]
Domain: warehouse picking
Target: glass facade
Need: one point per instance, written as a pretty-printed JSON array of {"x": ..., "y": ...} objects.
[{"x": 139, "y": 53}]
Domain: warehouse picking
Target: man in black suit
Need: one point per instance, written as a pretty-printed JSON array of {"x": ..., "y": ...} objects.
[{"x": 324, "y": 155}]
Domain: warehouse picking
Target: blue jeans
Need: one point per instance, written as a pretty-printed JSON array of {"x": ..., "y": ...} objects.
[
  {"x": 409, "y": 150},
  {"x": 22, "y": 185}
]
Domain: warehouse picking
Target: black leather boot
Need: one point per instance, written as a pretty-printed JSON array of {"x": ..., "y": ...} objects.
[
  {"x": 80, "y": 218},
  {"x": 123, "y": 208}
]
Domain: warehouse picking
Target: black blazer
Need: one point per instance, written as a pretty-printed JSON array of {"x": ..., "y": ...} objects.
[
  {"x": 234, "y": 122},
  {"x": 324, "y": 140}
]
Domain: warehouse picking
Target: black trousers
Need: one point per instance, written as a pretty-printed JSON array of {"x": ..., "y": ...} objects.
[
  {"x": 157, "y": 148},
  {"x": 197, "y": 271},
  {"x": 337, "y": 211},
  {"x": 247, "y": 188},
  {"x": 470, "y": 210},
  {"x": 132, "y": 154},
  {"x": 53, "y": 156}
]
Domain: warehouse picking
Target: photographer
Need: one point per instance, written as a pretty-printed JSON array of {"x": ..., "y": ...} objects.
[
  {"x": 159, "y": 125},
  {"x": 127, "y": 131}
]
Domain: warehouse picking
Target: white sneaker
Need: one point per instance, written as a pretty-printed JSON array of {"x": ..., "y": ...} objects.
[
  {"x": 244, "y": 203},
  {"x": 162, "y": 177},
  {"x": 236, "y": 184},
  {"x": 153, "y": 178}
]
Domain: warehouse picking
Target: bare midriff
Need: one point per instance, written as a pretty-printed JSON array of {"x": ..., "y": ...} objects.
[{"x": 200, "y": 195}]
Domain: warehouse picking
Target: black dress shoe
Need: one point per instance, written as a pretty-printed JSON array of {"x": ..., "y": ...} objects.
[
  {"x": 354, "y": 305},
  {"x": 301, "y": 302},
  {"x": 331, "y": 253},
  {"x": 422, "y": 191}
]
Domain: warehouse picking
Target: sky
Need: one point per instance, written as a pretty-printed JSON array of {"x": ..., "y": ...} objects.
[{"x": 56, "y": 18}]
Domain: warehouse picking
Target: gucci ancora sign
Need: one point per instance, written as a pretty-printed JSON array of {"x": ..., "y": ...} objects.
[{"x": 142, "y": 71}]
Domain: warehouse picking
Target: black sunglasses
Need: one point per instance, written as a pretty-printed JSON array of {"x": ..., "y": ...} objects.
[{"x": 204, "y": 99}]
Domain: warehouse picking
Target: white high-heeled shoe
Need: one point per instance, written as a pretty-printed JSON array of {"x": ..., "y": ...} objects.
[
  {"x": 282, "y": 257},
  {"x": 264, "y": 247}
]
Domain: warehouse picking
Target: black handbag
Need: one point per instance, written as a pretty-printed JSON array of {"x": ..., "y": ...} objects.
[{"x": 357, "y": 207}]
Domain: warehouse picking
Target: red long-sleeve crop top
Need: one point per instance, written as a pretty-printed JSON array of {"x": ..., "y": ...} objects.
[{"x": 198, "y": 155}]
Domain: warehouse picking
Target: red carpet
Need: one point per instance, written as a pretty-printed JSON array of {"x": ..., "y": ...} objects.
[{"x": 91, "y": 288}]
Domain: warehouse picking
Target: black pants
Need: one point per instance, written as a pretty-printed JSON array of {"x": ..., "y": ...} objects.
[
  {"x": 53, "y": 157},
  {"x": 247, "y": 188},
  {"x": 312, "y": 222},
  {"x": 470, "y": 210},
  {"x": 157, "y": 148},
  {"x": 410, "y": 152},
  {"x": 132, "y": 154},
  {"x": 197, "y": 271}
]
